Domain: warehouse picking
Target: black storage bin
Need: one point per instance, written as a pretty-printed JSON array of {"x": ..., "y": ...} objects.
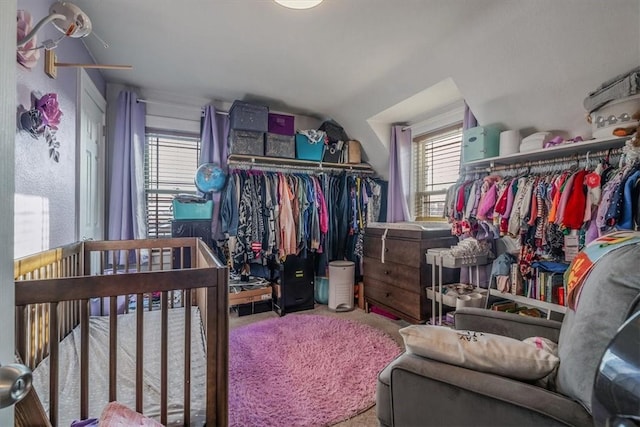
[
  {"x": 332, "y": 154},
  {"x": 280, "y": 146},
  {"x": 246, "y": 142},
  {"x": 254, "y": 308},
  {"x": 246, "y": 116}
]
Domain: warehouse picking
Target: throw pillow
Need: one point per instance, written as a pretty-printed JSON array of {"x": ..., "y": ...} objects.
[
  {"x": 117, "y": 414},
  {"x": 479, "y": 351}
]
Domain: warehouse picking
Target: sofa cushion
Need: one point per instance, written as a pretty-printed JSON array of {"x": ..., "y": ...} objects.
[
  {"x": 608, "y": 297},
  {"x": 480, "y": 351}
]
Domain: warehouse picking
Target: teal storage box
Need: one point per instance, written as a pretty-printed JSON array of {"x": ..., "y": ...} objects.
[
  {"x": 480, "y": 142},
  {"x": 306, "y": 150},
  {"x": 321, "y": 290},
  {"x": 192, "y": 209}
]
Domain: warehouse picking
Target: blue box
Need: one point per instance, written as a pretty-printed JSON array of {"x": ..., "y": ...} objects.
[
  {"x": 247, "y": 116},
  {"x": 305, "y": 150},
  {"x": 480, "y": 142},
  {"x": 192, "y": 209}
]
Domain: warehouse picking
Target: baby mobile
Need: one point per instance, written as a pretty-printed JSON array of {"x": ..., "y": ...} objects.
[
  {"x": 44, "y": 117},
  {"x": 43, "y": 120}
]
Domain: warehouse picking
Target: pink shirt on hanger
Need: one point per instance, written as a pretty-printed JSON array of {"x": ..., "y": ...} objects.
[{"x": 287, "y": 225}]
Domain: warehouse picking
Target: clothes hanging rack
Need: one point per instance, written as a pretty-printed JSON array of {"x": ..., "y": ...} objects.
[
  {"x": 559, "y": 163},
  {"x": 173, "y": 104},
  {"x": 273, "y": 164}
]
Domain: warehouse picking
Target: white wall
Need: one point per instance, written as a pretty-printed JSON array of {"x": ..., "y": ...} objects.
[
  {"x": 7, "y": 126},
  {"x": 45, "y": 190}
]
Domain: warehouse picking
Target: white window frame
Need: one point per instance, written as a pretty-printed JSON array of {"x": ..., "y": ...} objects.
[
  {"x": 185, "y": 186},
  {"x": 451, "y": 151}
]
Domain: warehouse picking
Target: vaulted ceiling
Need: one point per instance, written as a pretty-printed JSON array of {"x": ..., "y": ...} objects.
[{"x": 525, "y": 65}]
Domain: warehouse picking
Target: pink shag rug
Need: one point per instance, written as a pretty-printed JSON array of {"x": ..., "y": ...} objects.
[{"x": 304, "y": 370}]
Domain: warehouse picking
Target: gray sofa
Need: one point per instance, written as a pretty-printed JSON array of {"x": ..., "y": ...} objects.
[{"x": 416, "y": 391}]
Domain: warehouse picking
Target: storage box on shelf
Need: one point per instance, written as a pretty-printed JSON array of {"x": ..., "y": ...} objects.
[
  {"x": 307, "y": 150},
  {"x": 480, "y": 142},
  {"x": 620, "y": 113},
  {"x": 282, "y": 124},
  {"x": 354, "y": 151},
  {"x": 277, "y": 145},
  {"x": 247, "y": 116},
  {"x": 246, "y": 142},
  {"x": 332, "y": 154}
]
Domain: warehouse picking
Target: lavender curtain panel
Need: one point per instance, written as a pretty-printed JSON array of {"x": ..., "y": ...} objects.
[
  {"x": 399, "y": 169},
  {"x": 215, "y": 128},
  {"x": 126, "y": 197},
  {"x": 469, "y": 120}
]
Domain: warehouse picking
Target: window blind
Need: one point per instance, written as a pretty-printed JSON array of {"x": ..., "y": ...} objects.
[
  {"x": 436, "y": 166},
  {"x": 170, "y": 165}
]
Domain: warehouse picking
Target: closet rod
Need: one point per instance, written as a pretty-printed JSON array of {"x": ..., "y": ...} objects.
[
  {"x": 173, "y": 104},
  {"x": 294, "y": 168},
  {"x": 575, "y": 158}
]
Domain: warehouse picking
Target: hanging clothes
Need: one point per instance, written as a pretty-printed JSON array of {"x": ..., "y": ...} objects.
[{"x": 269, "y": 215}]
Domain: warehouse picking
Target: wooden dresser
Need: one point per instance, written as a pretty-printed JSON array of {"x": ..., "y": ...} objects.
[{"x": 396, "y": 273}]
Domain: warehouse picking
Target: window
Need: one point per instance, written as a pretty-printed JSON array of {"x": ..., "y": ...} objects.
[
  {"x": 436, "y": 166},
  {"x": 169, "y": 169}
]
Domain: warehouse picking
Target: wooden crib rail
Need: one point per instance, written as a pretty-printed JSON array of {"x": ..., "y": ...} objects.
[
  {"x": 53, "y": 293},
  {"x": 65, "y": 261}
]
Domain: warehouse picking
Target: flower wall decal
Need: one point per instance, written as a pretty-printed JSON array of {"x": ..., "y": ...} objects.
[
  {"x": 43, "y": 120},
  {"x": 28, "y": 54},
  {"x": 49, "y": 110}
]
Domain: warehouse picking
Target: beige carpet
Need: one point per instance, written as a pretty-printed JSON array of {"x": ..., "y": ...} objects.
[{"x": 391, "y": 327}]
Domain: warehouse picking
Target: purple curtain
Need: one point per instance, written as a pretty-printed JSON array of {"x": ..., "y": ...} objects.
[
  {"x": 126, "y": 197},
  {"x": 399, "y": 169},
  {"x": 213, "y": 139},
  {"x": 469, "y": 120}
]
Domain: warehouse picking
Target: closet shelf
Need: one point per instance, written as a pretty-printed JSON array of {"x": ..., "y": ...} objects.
[
  {"x": 530, "y": 302},
  {"x": 563, "y": 150},
  {"x": 236, "y": 160}
]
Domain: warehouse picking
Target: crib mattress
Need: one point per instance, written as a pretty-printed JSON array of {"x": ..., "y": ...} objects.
[{"x": 69, "y": 373}]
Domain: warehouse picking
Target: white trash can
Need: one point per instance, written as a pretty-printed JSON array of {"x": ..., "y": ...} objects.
[{"x": 341, "y": 278}]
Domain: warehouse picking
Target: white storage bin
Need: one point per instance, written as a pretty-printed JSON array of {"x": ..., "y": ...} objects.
[
  {"x": 341, "y": 278},
  {"x": 615, "y": 114}
]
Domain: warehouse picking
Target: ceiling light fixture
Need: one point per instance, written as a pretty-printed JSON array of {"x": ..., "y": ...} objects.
[
  {"x": 68, "y": 18},
  {"x": 298, "y": 4}
]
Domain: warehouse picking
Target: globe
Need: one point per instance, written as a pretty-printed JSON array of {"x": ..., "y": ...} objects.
[{"x": 210, "y": 178}]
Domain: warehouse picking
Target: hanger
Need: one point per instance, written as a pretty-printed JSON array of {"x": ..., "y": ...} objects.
[{"x": 587, "y": 164}]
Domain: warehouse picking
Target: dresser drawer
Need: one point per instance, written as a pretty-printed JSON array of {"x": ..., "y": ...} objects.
[
  {"x": 405, "y": 252},
  {"x": 392, "y": 296},
  {"x": 392, "y": 273}
]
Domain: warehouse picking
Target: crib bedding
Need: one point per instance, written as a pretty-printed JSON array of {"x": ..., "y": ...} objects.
[{"x": 69, "y": 370}]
